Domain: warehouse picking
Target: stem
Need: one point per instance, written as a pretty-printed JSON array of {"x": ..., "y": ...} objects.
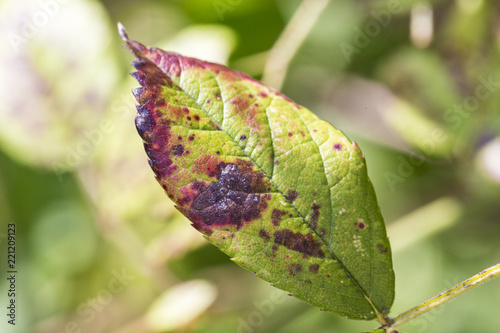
[
  {"x": 445, "y": 297},
  {"x": 290, "y": 40}
]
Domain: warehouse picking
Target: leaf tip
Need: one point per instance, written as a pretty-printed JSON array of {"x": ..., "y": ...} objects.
[{"x": 123, "y": 32}]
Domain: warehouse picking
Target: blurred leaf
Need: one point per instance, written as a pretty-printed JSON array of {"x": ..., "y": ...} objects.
[
  {"x": 56, "y": 89},
  {"x": 230, "y": 152},
  {"x": 422, "y": 78},
  {"x": 62, "y": 228}
]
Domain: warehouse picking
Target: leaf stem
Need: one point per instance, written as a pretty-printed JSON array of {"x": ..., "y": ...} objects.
[
  {"x": 290, "y": 40},
  {"x": 445, "y": 297}
]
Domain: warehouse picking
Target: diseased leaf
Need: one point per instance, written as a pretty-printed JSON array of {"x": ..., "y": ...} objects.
[{"x": 283, "y": 193}]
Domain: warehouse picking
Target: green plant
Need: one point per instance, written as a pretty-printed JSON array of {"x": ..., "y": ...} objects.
[{"x": 283, "y": 193}]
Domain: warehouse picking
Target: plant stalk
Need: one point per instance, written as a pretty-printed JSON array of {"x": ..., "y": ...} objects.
[
  {"x": 290, "y": 40},
  {"x": 443, "y": 298}
]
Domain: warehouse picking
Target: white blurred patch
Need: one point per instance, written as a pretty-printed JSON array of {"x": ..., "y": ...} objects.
[
  {"x": 488, "y": 160},
  {"x": 207, "y": 42},
  {"x": 421, "y": 25},
  {"x": 180, "y": 305}
]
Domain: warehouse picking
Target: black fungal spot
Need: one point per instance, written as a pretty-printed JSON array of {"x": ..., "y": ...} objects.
[
  {"x": 188, "y": 118},
  {"x": 296, "y": 241},
  {"x": 235, "y": 199},
  {"x": 179, "y": 138},
  {"x": 178, "y": 150},
  {"x": 243, "y": 137},
  {"x": 197, "y": 117},
  {"x": 191, "y": 138},
  {"x": 217, "y": 152},
  {"x": 291, "y": 196},
  {"x": 337, "y": 146},
  {"x": 276, "y": 216},
  {"x": 264, "y": 234},
  {"x": 308, "y": 281},
  {"x": 315, "y": 215},
  {"x": 361, "y": 225},
  {"x": 381, "y": 248},
  {"x": 314, "y": 268}
]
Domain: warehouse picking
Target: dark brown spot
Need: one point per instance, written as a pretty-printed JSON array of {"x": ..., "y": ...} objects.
[
  {"x": 291, "y": 196},
  {"x": 264, "y": 234},
  {"x": 290, "y": 134},
  {"x": 197, "y": 117},
  {"x": 315, "y": 215},
  {"x": 381, "y": 248},
  {"x": 243, "y": 137},
  {"x": 191, "y": 138},
  {"x": 308, "y": 281},
  {"x": 276, "y": 216},
  {"x": 361, "y": 225},
  {"x": 179, "y": 138},
  {"x": 294, "y": 269},
  {"x": 303, "y": 243},
  {"x": 217, "y": 152},
  {"x": 337, "y": 146},
  {"x": 188, "y": 118},
  {"x": 314, "y": 268},
  {"x": 178, "y": 150}
]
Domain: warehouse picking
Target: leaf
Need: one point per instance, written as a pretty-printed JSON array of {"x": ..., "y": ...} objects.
[{"x": 283, "y": 193}]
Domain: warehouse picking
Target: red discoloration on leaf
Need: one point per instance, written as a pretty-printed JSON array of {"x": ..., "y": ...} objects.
[{"x": 296, "y": 241}]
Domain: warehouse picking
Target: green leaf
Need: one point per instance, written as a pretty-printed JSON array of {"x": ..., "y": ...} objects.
[{"x": 283, "y": 193}]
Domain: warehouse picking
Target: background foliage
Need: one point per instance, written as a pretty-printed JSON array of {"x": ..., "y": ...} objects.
[{"x": 102, "y": 249}]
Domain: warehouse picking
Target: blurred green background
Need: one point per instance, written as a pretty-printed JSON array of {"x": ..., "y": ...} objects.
[{"x": 100, "y": 248}]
